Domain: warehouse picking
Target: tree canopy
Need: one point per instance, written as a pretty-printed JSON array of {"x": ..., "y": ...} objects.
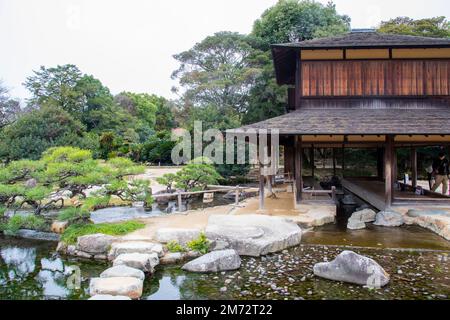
[{"x": 437, "y": 27}]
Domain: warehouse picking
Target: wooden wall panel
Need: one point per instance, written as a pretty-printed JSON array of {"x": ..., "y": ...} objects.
[{"x": 376, "y": 78}]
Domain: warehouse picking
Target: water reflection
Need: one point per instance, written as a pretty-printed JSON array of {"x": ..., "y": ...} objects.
[{"x": 31, "y": 270}]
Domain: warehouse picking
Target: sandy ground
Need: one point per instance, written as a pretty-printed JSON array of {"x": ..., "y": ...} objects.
[
  {"x": 282, "y": 206},
  {"x": 151, "y": 173},
  {"x": 197, "y": 219}
]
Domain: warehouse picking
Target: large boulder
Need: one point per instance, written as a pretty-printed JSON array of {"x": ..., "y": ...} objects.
[
  {"x": 215, "y": 261},
  {"x": 172, "y": 258},
  {"x": 95, "y": 243},
  {"x": 108, "y": 297},
  {"x": 119, "y": 286},
  {"x": 254, "y": 235},
  {"x": 358, "y": 219},
  {"x": 366, "y": 215},
  {"x": 142, "y": 261},
  {"x": 119, "y": 248},
  {"x": 353, "y": 268},
  {"x": 389, "y": 218},
  {"x": 182, "y": 236},
  {"x": 123, "y": 271}
]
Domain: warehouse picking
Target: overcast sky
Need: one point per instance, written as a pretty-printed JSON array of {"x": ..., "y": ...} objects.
[{"x": 129, "y": 44}]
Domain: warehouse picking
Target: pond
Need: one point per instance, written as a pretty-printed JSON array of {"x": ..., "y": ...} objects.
[
  {"x": 120, "y": 214},
  {"x": 32, "y": 270}
]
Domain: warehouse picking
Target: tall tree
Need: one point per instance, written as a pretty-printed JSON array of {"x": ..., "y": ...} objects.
[
  {"x": 287, "y": 21},
  {"x": 295, "y": 20},
  {"x": 57, "y": 87},
  {"x": 437, "y": 27},
  {"x": 218, "y": 71},
  {"x": 9, "y": 108}
]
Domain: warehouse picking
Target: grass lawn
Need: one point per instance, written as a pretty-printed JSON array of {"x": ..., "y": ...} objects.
[{"x": 71, "y": 234}]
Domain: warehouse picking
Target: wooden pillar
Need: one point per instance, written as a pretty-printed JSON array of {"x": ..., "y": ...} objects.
[
  {"x": 298, "y": 169},
  {"x": 261, "y": 189},
  {"x": 414, "y": 166},
  {"x": 312, "y": 157},
  {"x": 380, "y": 163},
  {"x": 343, "y": 161},
  {"x": 389, "y": 170},
  {"x": 334, "y": 161}
]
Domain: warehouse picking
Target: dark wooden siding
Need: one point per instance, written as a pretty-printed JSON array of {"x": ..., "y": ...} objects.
[{"x": 376, "y": 78}]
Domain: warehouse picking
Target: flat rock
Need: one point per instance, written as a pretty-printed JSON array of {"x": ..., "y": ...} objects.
[
  {"x": 37, "y": 235},
  {"x": 172, "y": 258},
  {"x": 366, "y": 215},
  {"x": 215, "y": 261},
  {"x": 142, "y": 261},
  {"x": 182, "y": 236},
  {"x": 108, "y": 297},
  {"x": 254, "y": 235},
  {"x": 95, "y": 243},
  {"x": 118, "y": 286},
  {"x": 123, "y": 271},
  {"x": 353, "y": 268},
  {"x": 439, "y": 224},
  {"x": 389, "y": 219},
  {"x": 420, "y": 213},
  {"x": 119, "y": 248}
]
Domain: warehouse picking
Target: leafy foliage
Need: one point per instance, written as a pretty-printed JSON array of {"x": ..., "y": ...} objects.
[
  {"x": 437, "y": 27},
  {"x": 201, "y": 244},
  {"x": 294, "y": 20},
  {"x": 174, "y": 246}
]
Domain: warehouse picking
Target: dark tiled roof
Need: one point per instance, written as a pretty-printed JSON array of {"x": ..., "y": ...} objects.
[
  {"x": 368, "y": 39},
  {"x": 367, "y": 117}
]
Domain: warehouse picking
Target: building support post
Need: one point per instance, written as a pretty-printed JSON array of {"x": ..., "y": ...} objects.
[
  {"x": 334, "y": 161},
  {"x": 389, "y": 170},
  {"x": 414, "y": 167},
  {"x": 298, "y": 169}
]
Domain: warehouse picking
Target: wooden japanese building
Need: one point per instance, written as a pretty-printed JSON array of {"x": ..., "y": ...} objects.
[{"x": 364, "y": 90}]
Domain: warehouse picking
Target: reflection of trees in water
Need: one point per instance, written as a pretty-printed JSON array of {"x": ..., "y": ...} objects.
[
  {"x": 17, "y": 272},
  {"x": 19, "y": 261},
  {"x": 174, "y": 283}
]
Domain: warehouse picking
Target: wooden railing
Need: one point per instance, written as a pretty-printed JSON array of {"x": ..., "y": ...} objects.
[{"x": 214, "y": 189}]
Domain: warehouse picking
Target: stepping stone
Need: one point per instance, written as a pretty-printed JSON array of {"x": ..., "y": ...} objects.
[
  {"x": 95, "y": 243},
  {"x": 135, "y": 247},
  {"x": 120, "y": 286},
  {"x": 108, "y": 297},
  {"x": 254, "y": 235},
  {"x": 215, "y": 261},
  {"x": 123, "y": 271},
  {"x": 142, "y": 261}
]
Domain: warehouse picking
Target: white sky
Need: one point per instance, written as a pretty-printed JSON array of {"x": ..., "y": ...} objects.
[{"x": 129, "y": 44}]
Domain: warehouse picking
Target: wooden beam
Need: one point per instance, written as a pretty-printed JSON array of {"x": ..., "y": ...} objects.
[
  {"x": 388, "y": 171},
  {"x": 298, "y": 169},
  {"x": 414, "y": 166},
  {"x": 261, "y": 189}
]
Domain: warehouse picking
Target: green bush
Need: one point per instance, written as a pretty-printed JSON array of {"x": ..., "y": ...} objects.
[
  {"x": 72, "y": 233},
  {"x": 201, "y": 244},
  {"x": 2, "y": 211},
  {"x": 17, "y": 222},
  {"x": 174, "y": 246}
]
